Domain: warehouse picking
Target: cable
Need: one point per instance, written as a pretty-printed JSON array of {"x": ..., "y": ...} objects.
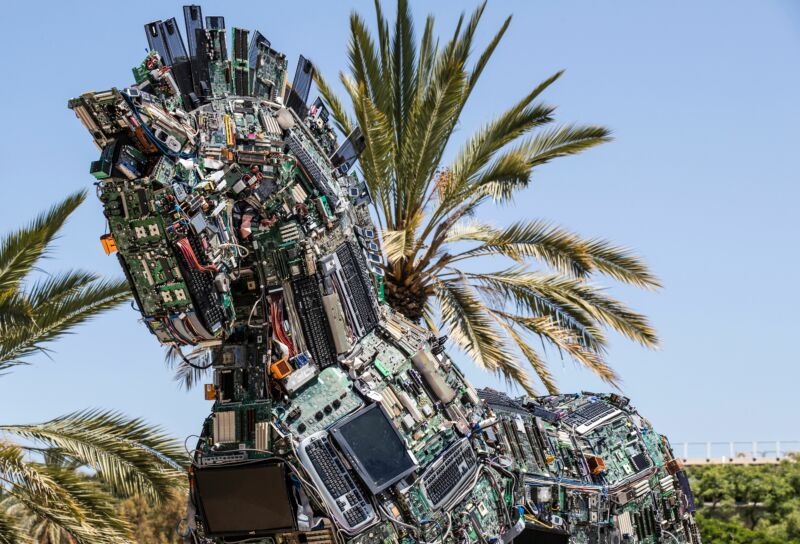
[
  {"x": 276, "y": 318},
  {"x": 191, "y": 258},
  {"x": 191, "y": 364},
  {"x": 536, "y": 520},
  {"x": 672, "y": 536},
  {"x": 252, "y": 312},
  {"x": 239, "y": 248},
  {"x": 152, "y": 137},
  {"x": 397, "y": 521},
  {"x": 185, "y": 447}
]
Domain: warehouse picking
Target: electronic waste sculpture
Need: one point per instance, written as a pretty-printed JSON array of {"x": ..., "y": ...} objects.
[{"x": 243, "y": 232}]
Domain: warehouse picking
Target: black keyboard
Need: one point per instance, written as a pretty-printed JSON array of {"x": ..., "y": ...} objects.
[
  {"x": 353, "y": 265},
  {"x": 308, "y": 301},
  {"x": 499, "y": 400},
  {"x": 344, "y": 498},
  {"x": 446, "y": 476},
  {"x": 319, "y": 177},
  {"x": 589, "y": 415}
]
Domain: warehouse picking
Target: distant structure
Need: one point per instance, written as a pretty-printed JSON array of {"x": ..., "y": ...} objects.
[
  {"x": 244, "y": 233},
  {"x": 739, "y": 453}
]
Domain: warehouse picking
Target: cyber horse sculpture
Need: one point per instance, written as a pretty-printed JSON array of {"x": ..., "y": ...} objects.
[{"x": 246, "y": 237}]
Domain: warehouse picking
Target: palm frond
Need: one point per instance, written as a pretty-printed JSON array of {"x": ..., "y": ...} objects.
[
  {"x": 425, "y": 58},
  {"x": 571, "y": 299},
  {"x": 535, "y": 239},
  {"x": 563, "y": 141},
  {"x": 430, "y": 126},
  {"x": 562, "y": 250},
  {"x": 10, "y": 531},
  {"x": 501, "y": 179},
  {"x": 395, "y": 245},
  {"x": 55, "y": 288},
  {"x": 96, "y": 506},
  {"x": 566, "y": 342},
  {"x": 472, "y": 230},
  {"x": 512, "y": 124},
  {"x": 487, "y": 53},
  {"x": 338, "y": 113},
  {"x": 404, "y": 60},
  {"x": 474, "y": 331},
  {"x": 55, "y": 318},
  {"x": 188, "y": 375},
  {"x": 384, "y": 45},
  {"x": 481, "y": 147},
  {"x": 538, "y": 364},
  {"x": 129, "y": 455},
  {"x": 377, "y": 159},
  {"x": 364, "y": 62},
  {"x": 620, "y": 263},
  {"x": 506, "y": 289},
  {"x": 15, "y": 471},
  {"x": 21, "y": 249},
  {"x": 15, "y": 311},
  {"x": 93, "y": 512},
  {"x": 80, "y": 530}
]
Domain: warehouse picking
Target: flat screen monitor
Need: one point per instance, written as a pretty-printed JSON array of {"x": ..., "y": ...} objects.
[
  {"x": 243, "y": 500},
  {"x": 374, "y": 446}
]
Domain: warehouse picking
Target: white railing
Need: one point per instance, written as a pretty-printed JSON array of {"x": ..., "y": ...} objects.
[{"x": 749, "y": 453}]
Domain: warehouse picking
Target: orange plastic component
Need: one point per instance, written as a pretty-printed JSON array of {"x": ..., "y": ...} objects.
[
  {"x": 211, "y": 391},
  {"x": 674, "y": 466},
  {"x": 108, "y": 243},
  {"x": 596, "y": 464},
  {"x": 280, "y": 369}
]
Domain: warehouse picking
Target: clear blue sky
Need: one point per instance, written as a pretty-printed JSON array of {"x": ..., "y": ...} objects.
[{"x": 702, "y": 180}]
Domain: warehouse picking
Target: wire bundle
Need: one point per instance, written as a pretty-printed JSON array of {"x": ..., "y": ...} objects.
[
  {"x": 276, "y": 318},
  {"x": 188, "y": 253}
]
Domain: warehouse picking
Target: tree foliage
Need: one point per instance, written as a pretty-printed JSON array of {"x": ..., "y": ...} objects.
[
  {"x": 59, "y": 480},
  {"x": 154, "y": 525},
  {"x": 407, "y": 96},
  {"x": 748, "y": 503}
]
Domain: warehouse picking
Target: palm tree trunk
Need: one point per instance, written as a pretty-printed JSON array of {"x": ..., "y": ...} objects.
[{"x": 405, "y": 296}]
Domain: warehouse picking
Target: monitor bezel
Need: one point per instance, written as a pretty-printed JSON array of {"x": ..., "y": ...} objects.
[
  {"x": 341, "y": 441},
  {"x": 200, "y": 504}
]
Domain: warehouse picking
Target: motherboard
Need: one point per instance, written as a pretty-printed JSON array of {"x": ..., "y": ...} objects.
[{"x": 245, "y": 234}]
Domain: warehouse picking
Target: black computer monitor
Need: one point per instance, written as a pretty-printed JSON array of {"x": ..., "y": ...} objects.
[
  {"x": 374, "y": 446},
  {"x": 249, "y": 499}
]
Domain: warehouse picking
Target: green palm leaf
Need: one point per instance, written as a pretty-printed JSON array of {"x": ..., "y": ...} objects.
[
  {"x": 563, "y": 141},
  {"x": 128, "y": 455},
  {"x": 55, "y": 500},
  {"x": 472, "y": 329},
  {"x": 407, "y": 96},
  {"x": 10, "y": 531},
  {"x": 94, "y": 515},
  {"x": 22, "y": 249},
  {"x": 15, "y": 471},
  {"x": 53, "y": 305},
  {"x": 338, "y": 113},
  {"x": 80, "y": 529},
  {"x": 54, "y": 319},
  {"x": 188, "y": 375},
  {"x": 536, "y": 292}
]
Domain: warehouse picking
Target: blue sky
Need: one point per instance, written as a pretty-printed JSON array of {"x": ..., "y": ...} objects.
[{"x": 702, "y": 180}]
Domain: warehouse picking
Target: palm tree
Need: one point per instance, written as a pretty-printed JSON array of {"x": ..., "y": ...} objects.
[
  {"x": 407, "y": 98},
  {"x": 59, "y": 479}
]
